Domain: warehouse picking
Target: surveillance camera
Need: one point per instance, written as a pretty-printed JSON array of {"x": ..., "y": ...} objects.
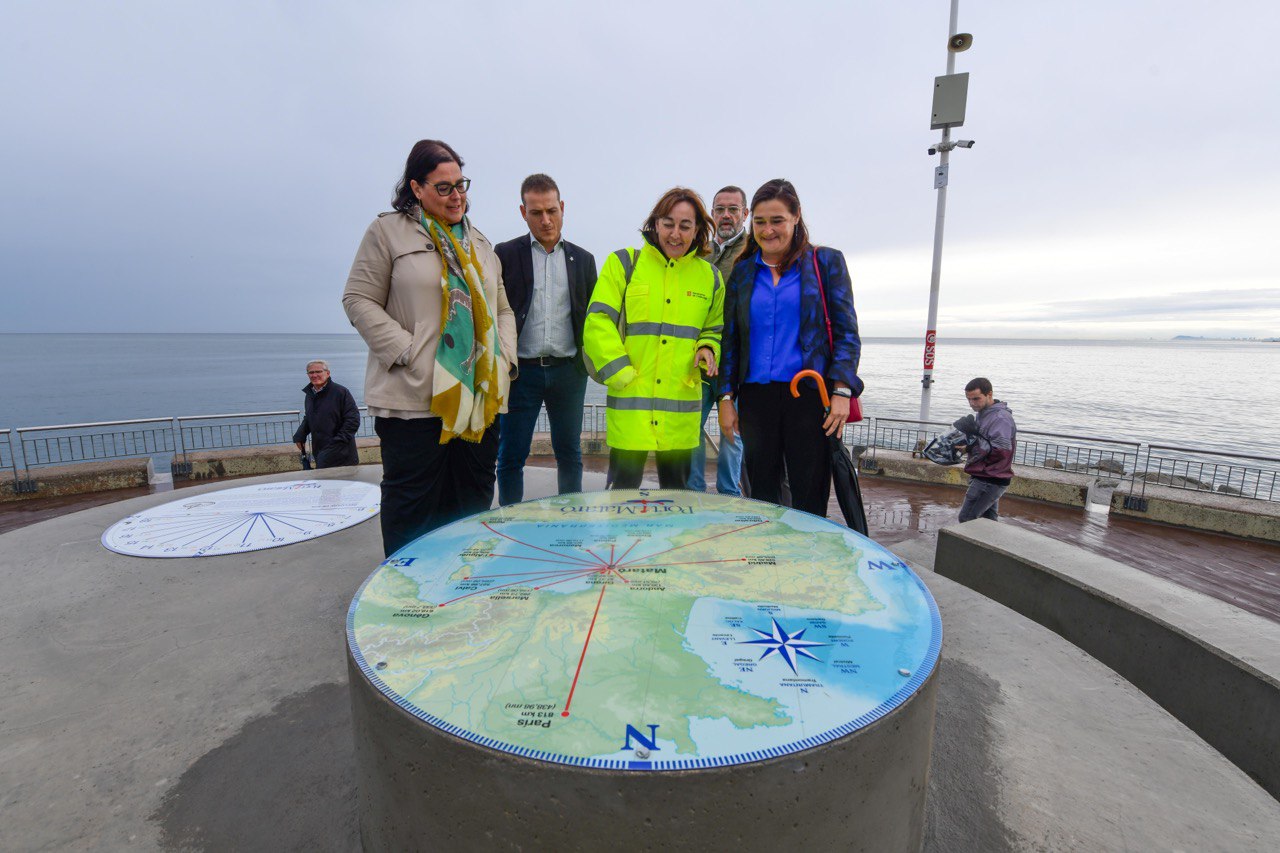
[
  {"x": 964, "y": 143},
  {"x": 933, "y": 151}
]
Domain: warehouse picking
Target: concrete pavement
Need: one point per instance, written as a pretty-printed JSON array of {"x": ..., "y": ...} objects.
[{"x": 202, "y": 704}]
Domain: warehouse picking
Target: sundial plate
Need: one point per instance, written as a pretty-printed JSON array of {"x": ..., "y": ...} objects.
[{"x": 244, "y": 518}]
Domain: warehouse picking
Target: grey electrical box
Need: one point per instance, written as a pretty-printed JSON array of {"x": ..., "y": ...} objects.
[{"x": 949, "y": 95}]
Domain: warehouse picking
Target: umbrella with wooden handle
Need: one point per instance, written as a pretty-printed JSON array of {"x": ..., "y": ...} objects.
[{"x": 844, "y": 474}]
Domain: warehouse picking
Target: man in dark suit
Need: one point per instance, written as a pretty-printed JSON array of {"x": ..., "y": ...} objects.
[{"x": 548, "y": 282}]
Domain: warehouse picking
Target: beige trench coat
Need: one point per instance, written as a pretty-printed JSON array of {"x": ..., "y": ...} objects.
[{"x": 393, "y": 299}]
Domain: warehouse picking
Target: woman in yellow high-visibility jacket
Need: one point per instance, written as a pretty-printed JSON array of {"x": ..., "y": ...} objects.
[{"x": 671, "y": 307}]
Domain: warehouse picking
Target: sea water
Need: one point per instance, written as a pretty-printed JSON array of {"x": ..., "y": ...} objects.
[{"x": 1205, "y": 394}]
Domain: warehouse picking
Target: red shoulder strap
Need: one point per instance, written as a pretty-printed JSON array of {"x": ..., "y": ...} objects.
[{"x": 822, "y": 291}]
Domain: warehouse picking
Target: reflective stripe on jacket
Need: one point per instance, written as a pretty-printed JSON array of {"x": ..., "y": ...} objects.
[{"x": 655, "y": 387}]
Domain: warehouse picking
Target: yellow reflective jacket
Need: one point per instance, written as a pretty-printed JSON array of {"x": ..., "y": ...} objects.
[{"x": 672, "y": 309}]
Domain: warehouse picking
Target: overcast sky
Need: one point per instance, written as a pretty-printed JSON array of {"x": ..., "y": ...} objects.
[{"x": 211, "y": 167}]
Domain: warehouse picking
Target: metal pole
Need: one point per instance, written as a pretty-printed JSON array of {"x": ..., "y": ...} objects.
[{"x": 935, "y": 279}]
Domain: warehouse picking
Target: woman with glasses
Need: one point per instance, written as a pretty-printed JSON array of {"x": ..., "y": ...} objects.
[
  {"x": 788, "y": 307},
  {"x": 652, "y": 324},
  {"x": 425, "y": 293}
]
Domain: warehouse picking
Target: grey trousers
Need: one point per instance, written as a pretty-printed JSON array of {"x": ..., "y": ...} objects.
[{"x": 981, "y": 501}]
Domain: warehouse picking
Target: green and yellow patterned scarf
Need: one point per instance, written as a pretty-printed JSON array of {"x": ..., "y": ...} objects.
[{"x": 466, "y": 391}]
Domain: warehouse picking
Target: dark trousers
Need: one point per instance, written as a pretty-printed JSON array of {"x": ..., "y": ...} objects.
[
  {"x": 626, "y": 467},
  {"x": 778, "y": 428},
  {"x": 562, "y": 388},
  {"x": 426, "y": 484},
  {"x": 982, "y": 500}
]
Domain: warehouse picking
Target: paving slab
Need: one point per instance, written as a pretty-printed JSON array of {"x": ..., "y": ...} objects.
[
  {"x": 147, "y": 699},
  {"x": 1039, "y": 746}
]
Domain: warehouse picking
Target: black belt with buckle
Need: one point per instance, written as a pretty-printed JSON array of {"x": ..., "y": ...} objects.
[{"x": 548, "y": 360}]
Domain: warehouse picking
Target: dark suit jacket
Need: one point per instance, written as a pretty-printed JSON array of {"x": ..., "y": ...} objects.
[{"x": 517, "y": 279}]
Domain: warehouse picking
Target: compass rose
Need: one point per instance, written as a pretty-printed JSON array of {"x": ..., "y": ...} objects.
[{"x": 784, "y": 644}]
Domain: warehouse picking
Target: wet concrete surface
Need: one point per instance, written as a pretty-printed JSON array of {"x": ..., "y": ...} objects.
[
  {"x": 1242, "y": 572},
  {"x": 286, "y": 781},
  {"x": 1238, "y": 571},
  {"x": 201, "y": 704},
  {"x": 17, "y": 514}
]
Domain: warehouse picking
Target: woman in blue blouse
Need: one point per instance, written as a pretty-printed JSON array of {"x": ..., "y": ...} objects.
[{"x": 788, "y": 307}]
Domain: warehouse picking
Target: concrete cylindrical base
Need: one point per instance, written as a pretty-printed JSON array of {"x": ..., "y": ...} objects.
[{"x": 421, "y": 788}]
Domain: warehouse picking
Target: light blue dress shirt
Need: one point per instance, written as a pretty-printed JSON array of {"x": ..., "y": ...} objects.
[{"x": 548, "y": 327}]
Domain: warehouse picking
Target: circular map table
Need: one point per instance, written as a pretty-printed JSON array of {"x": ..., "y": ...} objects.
[
  {"x": 246, "y": 518},
  {"x": 634, "y": 634}
]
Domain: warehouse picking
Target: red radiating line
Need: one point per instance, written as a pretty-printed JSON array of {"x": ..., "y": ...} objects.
[
  {"x": 619, "y": 574},
  {"x": 572, "y": 578},
  {"x": 583, "y": 656},
  {"x": 503, "y": 586},
  {"x": 547, "y": 573},
  {"x": 535, "y": 547},
  {"x": 626, "y": 552},
  {"x": 539, "y": 559},
  {"x": 611, "y": 547},
  {"x": 695, "y": 542},
  {"x": 592, "y": 553}
]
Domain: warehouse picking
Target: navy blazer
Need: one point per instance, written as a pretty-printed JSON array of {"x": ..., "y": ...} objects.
[
  {"x": 815, "y": 350},
  {"x": 517, "y": 279}
]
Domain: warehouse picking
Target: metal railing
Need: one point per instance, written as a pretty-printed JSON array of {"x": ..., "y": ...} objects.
[
  {"x": 7, "y": 462},
  {"x": 169, "y": 440},
  {"x": 594, "y": 417},
  {"x": 245, "y": 429},
  {"x": 173, "y": 440},
  {"x": 1101, "y": 457},
  {"x": 902, "y": 434},
  {"x": 1235, "y": 474},
  {"x": 855, "y": 435},
  {"x": 593, "y": 421},
  {"x": 94, "y": 442}
]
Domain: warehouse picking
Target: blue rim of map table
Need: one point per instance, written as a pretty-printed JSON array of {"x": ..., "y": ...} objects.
[{"x": 915, "y": 681}]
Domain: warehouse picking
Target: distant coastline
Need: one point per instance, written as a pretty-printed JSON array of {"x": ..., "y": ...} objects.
[{"x": 1239, "y": 340}]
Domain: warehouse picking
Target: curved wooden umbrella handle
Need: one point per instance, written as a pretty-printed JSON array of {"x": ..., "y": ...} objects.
[{"x": 822, "y": 385}]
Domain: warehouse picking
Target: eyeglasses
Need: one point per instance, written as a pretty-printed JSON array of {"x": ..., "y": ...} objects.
[
  {"x": 721, "y": 211},
  {"x": 446, "y": 189},
  {"x": 316, "y": 372}
]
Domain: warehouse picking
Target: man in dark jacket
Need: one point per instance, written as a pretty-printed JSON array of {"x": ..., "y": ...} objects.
[
  {"x": 330, "y": 417},
  {"x": 548, "y": 282},
  {"x": 729, "y": 214},
  {"x": 993, "y": 440}
]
